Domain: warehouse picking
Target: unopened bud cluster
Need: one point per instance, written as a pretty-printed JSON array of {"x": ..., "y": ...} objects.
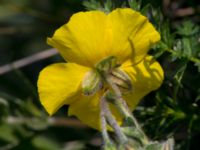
[{"x": 95, "y": 79}]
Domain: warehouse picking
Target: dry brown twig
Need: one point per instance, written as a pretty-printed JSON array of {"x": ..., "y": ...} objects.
[{"x": 28, "y": 60}]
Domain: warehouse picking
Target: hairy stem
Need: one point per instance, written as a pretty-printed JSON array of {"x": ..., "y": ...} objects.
[
  {"x": 103, "y": 123},
  {"x": 112, "y": 121},
  {"x": 121, "y": 105}
]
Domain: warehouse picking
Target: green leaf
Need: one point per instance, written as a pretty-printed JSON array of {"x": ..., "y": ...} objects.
[
  {"x": 43, "y": 143},
  {"x": 187, "y": 45},
  {"x": 92, "y": 5},
  {"x": 134, "y": 4},
  {"x": 187, "y": 28},
  {"x": 179, "y": 74},
  {"x": 154, "y": 146},
  {"x": 108, "y": 6},
  {"x": 159, "y": 49},
  {"x": 7, "y": 134},
  {"x": 110, "y": 146},
  {"x": 166, "y": 35},
  {"x": 32, "y": 108},
  {"x": 145, "y": 9},
  {"x": 4, "y": 107}
]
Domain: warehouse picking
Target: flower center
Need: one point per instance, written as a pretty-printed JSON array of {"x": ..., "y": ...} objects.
[{"x": 106, "y": 69}]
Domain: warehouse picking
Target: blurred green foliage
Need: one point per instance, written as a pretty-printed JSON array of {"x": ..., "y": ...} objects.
[{"x": 171, "y": 111}]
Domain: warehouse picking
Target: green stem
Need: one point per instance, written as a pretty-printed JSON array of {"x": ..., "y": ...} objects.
[
  {"x": 103, "y": 124},
  {"x": 124, "y": 109},
  {"x": 192, "y": 59},
  {"x": 121, "y": 102},
  {"x": 112, "y": 121}
]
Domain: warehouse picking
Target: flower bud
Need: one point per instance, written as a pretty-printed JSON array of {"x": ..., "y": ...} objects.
[
  {"x": 121, "y": 79},
  {"x": 91, "y": 83}
]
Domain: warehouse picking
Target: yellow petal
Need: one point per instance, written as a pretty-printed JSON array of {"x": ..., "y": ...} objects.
[
  {"x": 87, "y": 109},
  {"x": 123, "y": 22},
  {"x": 143, "y": 39},
  {"x": 146, "y": 76},
  {"x": 58, "y": 84},
  {"x": 83, "y": 38},
  {"x": 132, "y": 34},
  {"x": 91, "y": 36}
]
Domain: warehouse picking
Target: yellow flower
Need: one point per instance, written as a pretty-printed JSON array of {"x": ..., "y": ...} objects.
[{"x": 88, "y": 38}]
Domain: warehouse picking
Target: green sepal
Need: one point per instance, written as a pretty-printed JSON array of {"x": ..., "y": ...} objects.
[
  {"x": 135, "y": 134},
  {"x": 91, "y": 83},
  {"x": 121, "y": 79},
  {"x": 106, "y": 65}
]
